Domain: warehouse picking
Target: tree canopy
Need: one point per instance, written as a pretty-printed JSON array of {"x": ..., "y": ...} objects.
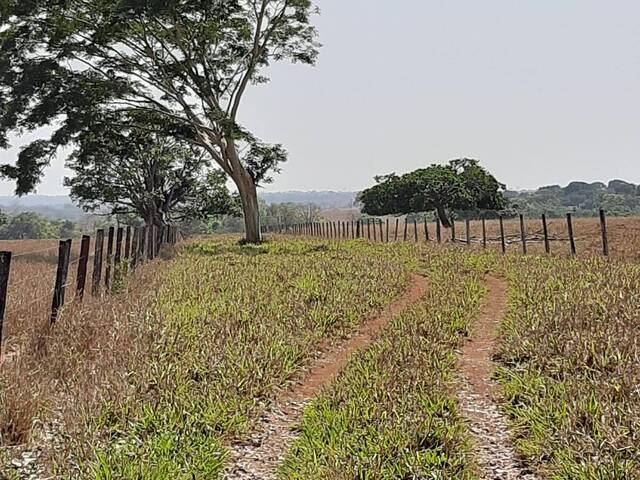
[
  {"x": 134, "y": 168},
  {"x": 190, "y": 62},
  {"x": 461, "y": 185}
]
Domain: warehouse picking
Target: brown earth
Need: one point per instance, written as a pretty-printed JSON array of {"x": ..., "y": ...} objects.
[{"x": 493, "y": 452}]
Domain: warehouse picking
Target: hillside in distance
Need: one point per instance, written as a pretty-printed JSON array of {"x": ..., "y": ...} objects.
[
  {"x": 58, "y": 207},
  {"x": 618, "y": 197},
  {"x": 324, "y": 199}
]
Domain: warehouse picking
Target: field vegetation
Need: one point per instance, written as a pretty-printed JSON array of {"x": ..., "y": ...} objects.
[
  {"x": 176, "y": 372},
  {"x": 392, "y": 413},
  {"x": 570, "y": 352},
  {"x": 158, "y": 379}
]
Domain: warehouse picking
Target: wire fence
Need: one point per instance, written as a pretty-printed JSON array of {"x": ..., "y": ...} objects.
[
  {"x": 475, "y": 232},
  {"x": 96, "y": 265}
]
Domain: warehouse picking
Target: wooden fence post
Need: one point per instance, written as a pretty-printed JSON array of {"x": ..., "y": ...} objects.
[
  {"x": 150, "y": 242},
  {"x": 453, "y": 231},
  {"x": 64, "y": 251},
  {"x": 523, "y": 235},
  {"x": 572, "y": 240},
  {"x": 438, "y": 230},
  {"x": 484, "y": 232},
  {"x": 119, "y": 238},
  {"x": 109, "y": 266},
  {"x": 368, "y": 229},
  {"x": 81, "y": 277},
  {"x": 127, "y": 245},
  {"x": 415, "y": 230},
  {"x": 97, "y": 263},
  {"x": 406, "y": 229},
  {"x": 387, "y": 230},
  {"x": 135, "y": 249},
  {"x": 5, "y": 269},
  {"x": 467, "y": 225},
  {"x": 380, "y": 230},
  {"x": 603, "y": 230},
  {"x": 375, "y": 232},
  {"x": 426, "y": 230},
  {"x": 397, "y": 224},
  {"x": 545, "y": 229},
  {"x": 502, "y": 239},
  {"x": 143, "y": 245}
]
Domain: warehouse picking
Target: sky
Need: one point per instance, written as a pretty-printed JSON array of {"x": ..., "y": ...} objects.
[{"x": 540, "y": 91}]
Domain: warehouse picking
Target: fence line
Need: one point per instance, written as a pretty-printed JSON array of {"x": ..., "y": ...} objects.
[
  {"x": 372, "y": 229},
  {"x": 129, "y": 253}
]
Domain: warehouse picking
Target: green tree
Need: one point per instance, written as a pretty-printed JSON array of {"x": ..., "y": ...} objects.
[
  {"x": 191, "y": 62},
  {"x": 461, "y": 185},
  {"x": 28, "y": 225},
  {"x": 67, "y": 229},
  {"x": 138, "y": 170}
]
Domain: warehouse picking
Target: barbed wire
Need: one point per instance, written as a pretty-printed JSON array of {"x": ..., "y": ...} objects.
[{"x": 33, "y": 252}]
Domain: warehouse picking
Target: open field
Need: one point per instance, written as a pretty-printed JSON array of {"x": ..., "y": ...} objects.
[
  {"x": 169, "y": 376},
  {"x": 570, "y": 356},
  {"x": 623, "y": 234}
]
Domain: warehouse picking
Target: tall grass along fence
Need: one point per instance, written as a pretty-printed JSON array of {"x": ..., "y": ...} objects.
[
  {"x": 379, "y": 230},
  {"x": 116, "y": 252}
]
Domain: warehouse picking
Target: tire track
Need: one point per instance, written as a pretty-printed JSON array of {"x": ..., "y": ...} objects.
[
  {"x": 494, "y": 453},
  {"x": 277, "y": 427}
]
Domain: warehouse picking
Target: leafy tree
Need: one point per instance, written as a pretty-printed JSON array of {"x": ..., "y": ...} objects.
[
  {"x": 290, "y": 213},
  {"x": 136, "y": 170},
  {"x": 28, "y": 225},
  {"x": 67, "y": 229},
  {"x": 461, "y": 185},
  {"x": 621, "y": 187},
  {"x": 191, "y": 62}
]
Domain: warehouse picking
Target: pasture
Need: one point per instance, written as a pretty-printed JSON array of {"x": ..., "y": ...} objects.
[{"x": 312, "y": 347}]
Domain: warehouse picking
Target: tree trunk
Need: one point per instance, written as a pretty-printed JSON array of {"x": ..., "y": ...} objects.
[
  {"x": 444, "y": 219},
  {"x": 250, "y": 207}
]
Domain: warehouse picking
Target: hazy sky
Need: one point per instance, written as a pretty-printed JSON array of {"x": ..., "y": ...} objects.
[{"x": 541, "y": 91}]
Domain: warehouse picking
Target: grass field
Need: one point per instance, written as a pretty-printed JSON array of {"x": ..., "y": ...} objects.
[
  {"x": 570, "y": 352},
  {"x": 158, "y": 380},
  {"x": 392, "y": 413}
]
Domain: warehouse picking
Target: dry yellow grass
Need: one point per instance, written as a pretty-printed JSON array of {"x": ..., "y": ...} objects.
[
  {"x": 623, "y": 235},
  {"x": 37, "y": 359}
]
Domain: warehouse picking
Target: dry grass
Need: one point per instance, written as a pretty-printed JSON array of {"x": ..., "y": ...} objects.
[
  {"x": 571, "y": 355},
  {"x": 623, "y": 235},
  {"x": 134, "y": 361},
  {"x": 48, "y": 374}
]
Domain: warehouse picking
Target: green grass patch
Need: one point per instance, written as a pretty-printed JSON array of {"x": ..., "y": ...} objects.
[
  {"x": 234, "y": 325},
  {"x": 392, "y": 413}
]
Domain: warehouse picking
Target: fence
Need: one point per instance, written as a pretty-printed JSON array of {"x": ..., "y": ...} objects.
[
  {"x": 128, "y": 247},
  {"x": 380, "y": 230}
]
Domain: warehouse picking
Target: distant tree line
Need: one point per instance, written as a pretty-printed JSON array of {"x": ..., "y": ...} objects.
[
  {"x": 33, "y": 226},
  {"x": 288, "y": 213},
  {"x": 618, "y": 198}
]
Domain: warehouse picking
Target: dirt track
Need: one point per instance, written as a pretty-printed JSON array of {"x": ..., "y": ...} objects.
[{"x": 277, "y": 428}]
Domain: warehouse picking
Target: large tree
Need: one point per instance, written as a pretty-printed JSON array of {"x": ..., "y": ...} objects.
[
  {"x": 461, "y": 185},
  {"x": 67, "y": 63},
  {"x": 128, "y": 165}
]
